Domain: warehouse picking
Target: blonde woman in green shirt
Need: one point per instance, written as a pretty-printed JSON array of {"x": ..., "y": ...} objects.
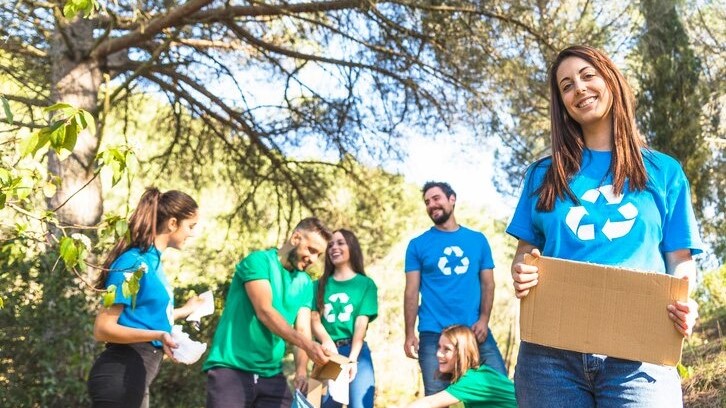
[
  {"x": 346, "y": 300},
  {"x": 477, "y": 386}
]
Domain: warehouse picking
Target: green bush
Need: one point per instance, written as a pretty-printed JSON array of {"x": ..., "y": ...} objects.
[{"x": 711, "y": 293}]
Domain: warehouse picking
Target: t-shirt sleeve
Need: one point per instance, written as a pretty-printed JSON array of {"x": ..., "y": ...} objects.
[
  {"x": 308, "y": 294},
  {"x": 468, "y": 388},
  {"x": 314, "y": 301},
  {"x": 680, "y": 230},
  {"x": 522, "y": 226},
  {"x": 254, "y": 267},
  {"x": 369, "y": 305},
  {"x": 487, "y": 261},
  {"x": 482, "y": 385},
  {"x": 413, "y": 262},
  {"x": 126, "y": 263}
]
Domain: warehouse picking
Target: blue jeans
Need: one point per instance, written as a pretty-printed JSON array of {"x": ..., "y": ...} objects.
[
  {"x": 549, "y": 377},
  {"x": 363, "y": 387},
  {"x": 489, "y": 355}
]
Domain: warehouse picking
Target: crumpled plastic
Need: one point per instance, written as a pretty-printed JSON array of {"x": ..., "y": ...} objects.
[
  {"x": 189, "y": 351},
  {"x": 339, "y": 388},
  {"x": 300, "y": 401},
  {"x": 205, "y": 309}
]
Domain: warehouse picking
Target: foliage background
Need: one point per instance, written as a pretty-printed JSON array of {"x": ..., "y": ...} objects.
[{"x": 475, "y": 65}]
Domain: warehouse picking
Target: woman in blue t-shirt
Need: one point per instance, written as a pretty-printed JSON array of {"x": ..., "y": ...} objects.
[
  {"x": 602, "y": 197},
  {"x": 472, "y": 384},
  {"x": 137, "y": 331}
]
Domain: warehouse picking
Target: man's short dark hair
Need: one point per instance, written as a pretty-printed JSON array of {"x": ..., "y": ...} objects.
[
  {"x": 445, "y": 187},
  {"x": 313, "y": 224}
]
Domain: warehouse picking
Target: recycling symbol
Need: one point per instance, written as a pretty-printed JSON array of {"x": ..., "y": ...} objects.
[
  {"x": 611, "y": 229},
  {"x": 458, "y": 253},
  {"x": 344, "y": 316}
]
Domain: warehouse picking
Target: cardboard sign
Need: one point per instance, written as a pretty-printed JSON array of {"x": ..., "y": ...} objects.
[{"x": 603, "y": 310}]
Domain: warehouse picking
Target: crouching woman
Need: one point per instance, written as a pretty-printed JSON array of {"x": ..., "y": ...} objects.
[{"x": 472, "y": 384}]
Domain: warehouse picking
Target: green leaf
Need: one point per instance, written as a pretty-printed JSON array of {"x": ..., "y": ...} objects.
[
  {"x": 69, "y": 10},
  {"x": 57, "y": 138},
  {"x": 27, "y": 146},
  {"x": 59, "y": 105},
  {"x": 65, "y": 243},
  {"x": 70, "y": 255},
  {"x": 43, "y": 139},
  {"x": 125, "y": 289},
  {"x": 73, "y": 7},
  {"x": 684, "y": 372},
  {"x": 121, "y": 227},
  {"x": 36, "y": 141},
  {"x": 109, "y": 296},
  {"x": 80, "y": 120},
  {"x": 2, "y": 304},
  {"x": 90, "y": 122},
  {"x": 3, "y": 199},
  {"x": 134, "y": 287},
  {"x": 133, "y": 290},
  {"x": 6, "y": 108},
  {"x": 71, "y": 136}
]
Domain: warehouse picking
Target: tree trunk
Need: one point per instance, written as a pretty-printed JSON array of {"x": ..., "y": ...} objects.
[{"x": 75, "y": 79}]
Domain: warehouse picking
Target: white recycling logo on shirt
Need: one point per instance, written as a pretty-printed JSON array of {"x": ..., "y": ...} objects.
[
  {"x": 444, "y": 261},
  {"x": 343, "y": 316},
  {"x": 611, "y": 229}
]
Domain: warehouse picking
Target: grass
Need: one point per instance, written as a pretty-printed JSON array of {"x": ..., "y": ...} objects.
[{"x": 704, "y": 364}]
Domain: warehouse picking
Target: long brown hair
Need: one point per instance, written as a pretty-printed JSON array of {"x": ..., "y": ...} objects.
[
  {"x": 356, "y": 262},
  {"x": 466, "y": 350},
  {"x": 567, "y": 137},
  {"x": 152, "y": 212}
]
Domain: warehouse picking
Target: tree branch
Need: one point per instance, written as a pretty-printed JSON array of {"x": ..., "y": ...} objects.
[{"x": 156, "y": 25}]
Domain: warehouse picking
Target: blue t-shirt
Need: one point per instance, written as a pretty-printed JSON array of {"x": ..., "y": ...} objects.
[
  {"x": 449, "y": 263},
  {"x": 632, "y": 230},
  {"x": 154, "y": 302}
]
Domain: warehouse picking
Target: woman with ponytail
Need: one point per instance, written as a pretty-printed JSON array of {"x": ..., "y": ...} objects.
[{"x": 138, "y": 332}]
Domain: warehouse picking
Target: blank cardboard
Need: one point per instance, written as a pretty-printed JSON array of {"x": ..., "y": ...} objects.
[
  {"x": 315, "y": 393},
  {"x": 331, "y": 369},
  {"x": 600, "y": 309}
]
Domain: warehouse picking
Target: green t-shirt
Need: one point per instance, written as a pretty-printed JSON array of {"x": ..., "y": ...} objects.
[
  {"x": 241, "y": 341},
  {"x": 482, "y": 388},
  {"x": 344, "y": 301}
]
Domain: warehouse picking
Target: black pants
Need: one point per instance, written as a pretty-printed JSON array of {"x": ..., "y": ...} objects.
[
  {"x": 227, "y": 387},
  {"x": 121, "y": 375}
]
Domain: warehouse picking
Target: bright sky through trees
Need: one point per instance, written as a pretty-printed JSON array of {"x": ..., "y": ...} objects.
[{"x": 465, "y": 163}]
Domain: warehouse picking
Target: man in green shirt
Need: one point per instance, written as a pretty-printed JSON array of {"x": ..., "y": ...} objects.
[{"x": 270, "y": 291}]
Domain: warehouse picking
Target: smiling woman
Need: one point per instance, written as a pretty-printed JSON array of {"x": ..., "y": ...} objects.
[
  {"x": 472, "y": 384},
  {"x": 599, "y": 158},
  {"x": 137, "y": 328},
  {"x": 345, "y": 302},
  {"x": 588, "y": 100}
]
